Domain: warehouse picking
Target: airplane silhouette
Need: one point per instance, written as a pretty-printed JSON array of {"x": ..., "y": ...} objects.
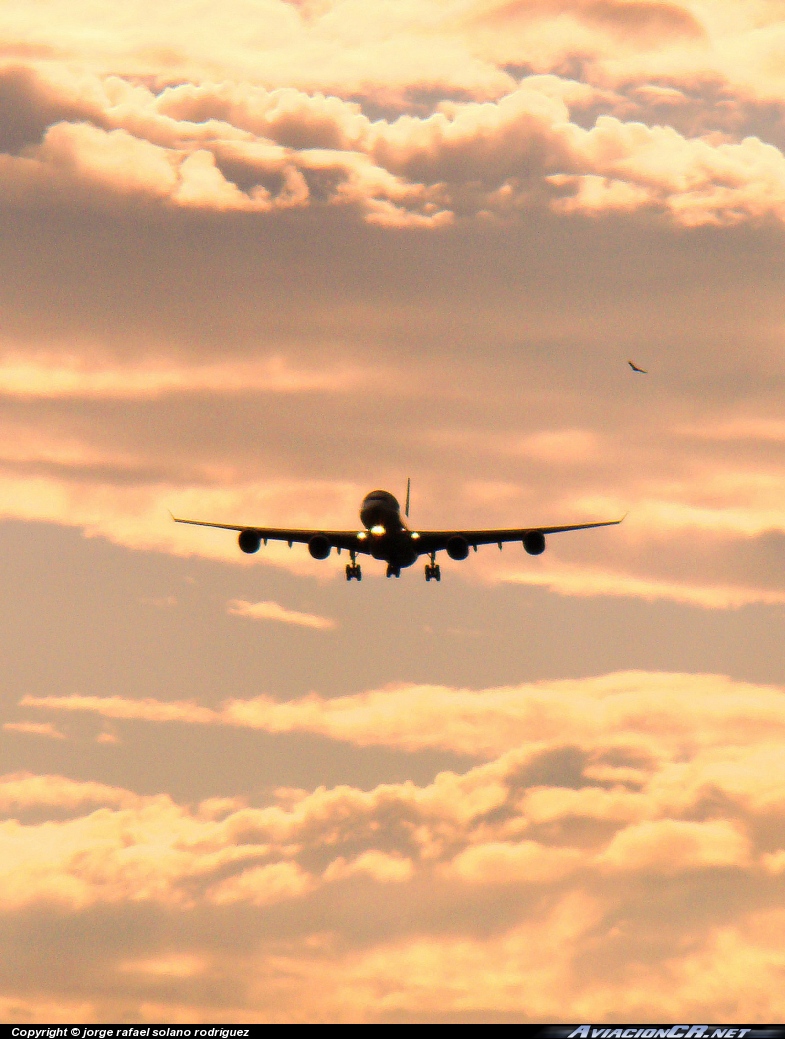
[
  {"x": 385, "y": 536},
  {"x": 635, "y": 368}
]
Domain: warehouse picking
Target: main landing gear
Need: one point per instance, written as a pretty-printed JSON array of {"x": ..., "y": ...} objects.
[
  {"x": 353, "y": 571},
  {"x": 433, "y": 572}
]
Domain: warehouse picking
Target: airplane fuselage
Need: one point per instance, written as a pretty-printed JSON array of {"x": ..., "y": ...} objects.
[{"x": 388, "y": 537}]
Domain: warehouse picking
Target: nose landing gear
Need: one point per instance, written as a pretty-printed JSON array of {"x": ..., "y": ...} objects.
[{"x": 393, "y": 571}]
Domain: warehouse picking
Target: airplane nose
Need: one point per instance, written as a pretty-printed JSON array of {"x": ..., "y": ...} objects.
[{"x": 378, "y": 508}]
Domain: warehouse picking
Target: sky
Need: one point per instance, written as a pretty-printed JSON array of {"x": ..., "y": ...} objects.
[{"x": 258, "y": 258}]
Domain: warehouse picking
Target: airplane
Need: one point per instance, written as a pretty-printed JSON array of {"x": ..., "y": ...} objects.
[
  {"x": 385, "y": 536},
  {"x": 635, "y": 368}
]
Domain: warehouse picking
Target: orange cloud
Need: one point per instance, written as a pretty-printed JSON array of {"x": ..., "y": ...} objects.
[
  {"x": 182, "y": 965},
  {"x": 38, "y": 1010},
  {"x": 587, "y": 581},
  {"x": 538, "y": 859},
  {"x": 23, "y": 790},
  {"x": 383, "y": 868},
  {"x": 263, "y": 885},
  {"x": 138, "y": 515},
  {"x": 672, "y": 845},
  {"x": 465, "y": 159},
  {"x": 525, "y": 862},
  {"x": 35, "y": 729},
  {"x": 272, "y": 611},
  {"x": 646, "y": 20},
  {"x": 50, "y": 377},
  {"x": 119, "y": 707},
  {"x": 697, "y": 708}
]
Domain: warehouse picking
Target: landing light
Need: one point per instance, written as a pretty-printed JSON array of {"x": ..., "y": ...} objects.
[
  {"x": 362, "y": 536},
  {"x": 378, "y": 529},
  {"x": 415, "y": 535}
]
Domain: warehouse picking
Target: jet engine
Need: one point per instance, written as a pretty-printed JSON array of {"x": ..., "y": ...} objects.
[
  {"x": 457, "y": 547},
  {"x": 249, "y": 541},
  {"x": 534, "y": 543},
  {"x": 319, "y": 546}
]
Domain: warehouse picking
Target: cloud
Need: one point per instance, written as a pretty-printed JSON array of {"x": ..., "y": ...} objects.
[
  {"x": 586, "y": 582},
  {"x": 694, "y": 708},
  {"x": 50, "y": 377},
  {"x": 67, "y": 483},
  {"x": 23, "y": 790},
  {"x": 42, "y": 1011},
  {"x": 571, "y": 869},
  {"x": 176, "y": 966},
  {"x": 383, "y": 868},
  {"x": 35, "y": 729},
  {"x": 272, "y": 611},
  {"x": 524, "y": 862},
  {"x": 647, "y": 21},
  {"x": 234, "y": 148},
  {"x": 263, "y": 885},
  {"x": 120, "y": 707},
  {"x": 671, "y": 846}
]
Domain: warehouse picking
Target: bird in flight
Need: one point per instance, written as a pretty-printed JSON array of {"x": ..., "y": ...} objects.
[
  {"x": 635, "y": 368},
  {"x": 385, "y": 536}
]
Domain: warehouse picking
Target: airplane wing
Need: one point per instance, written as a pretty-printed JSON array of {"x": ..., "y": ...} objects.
[
  {"x": 347, "y": 539},
  {"x": 436, "y": 540},
  {"x": 427, "y": 541}
]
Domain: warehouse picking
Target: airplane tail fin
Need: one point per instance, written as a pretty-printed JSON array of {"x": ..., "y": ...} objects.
[{"x": 408, "y": 491}]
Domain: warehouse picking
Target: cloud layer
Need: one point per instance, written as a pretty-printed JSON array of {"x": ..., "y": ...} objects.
[
  {"x": 226, "y": 147},
  {"x": 699, "y": 710},
  {"x": 600, "y": 829}
]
